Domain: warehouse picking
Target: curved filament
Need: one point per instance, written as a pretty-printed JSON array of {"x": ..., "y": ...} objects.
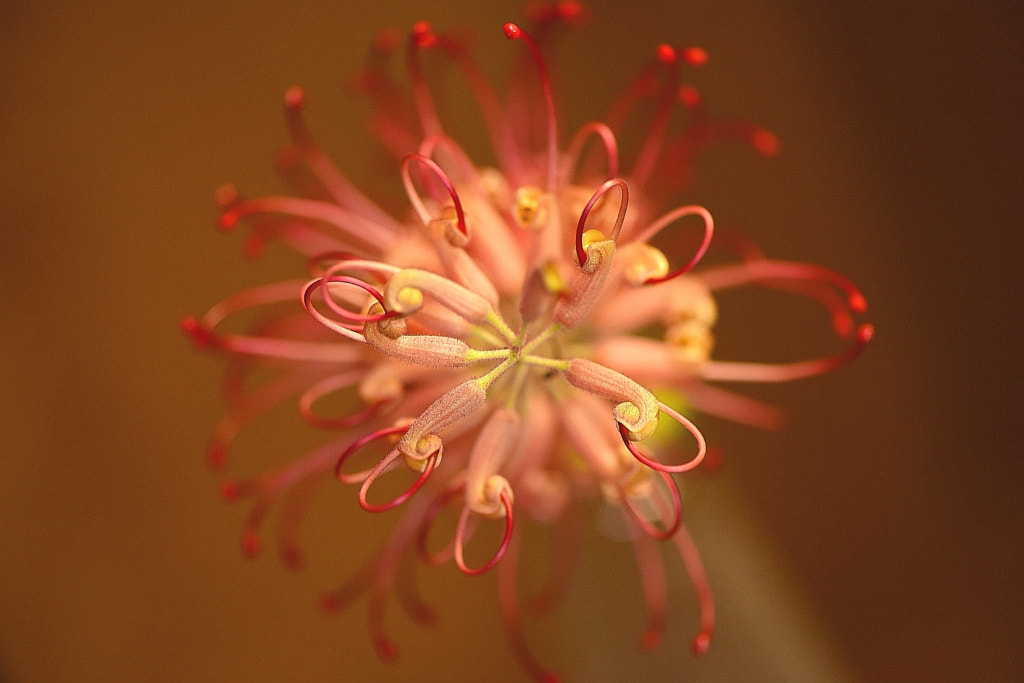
[
  {"x": 677, "y": 511},
  {"x": 513, "y": 32},
  {"x": 702, "y": 446},
  {"x": 325, "y": 387},
  {"x": 611, "y": 147},
  {"x": 581, "y": 254},
  {"x": 668, "y": 219},
  {"x": 360, "y": 477},
  {"x": 385, "y": 465},
  {"x": 460, "y": 533},
  {"x": 414, "y": 195}
]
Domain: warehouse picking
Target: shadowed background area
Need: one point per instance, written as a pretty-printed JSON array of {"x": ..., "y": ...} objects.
[{"x": 878, "y": 536}]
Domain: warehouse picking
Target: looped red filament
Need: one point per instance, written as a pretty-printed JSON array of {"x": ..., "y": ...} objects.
[
  {"x": 383, "y": 466},
  {"x": 414, "y": 196},
  {"x": 461, "y": 530},
  {"x": 581, "y": 254},
  {"x": 702, "y": 447},
  {"x": 677, "y": 511},
  {"x": 668, "y": 219},
  {"x": 359, "y": 477}
]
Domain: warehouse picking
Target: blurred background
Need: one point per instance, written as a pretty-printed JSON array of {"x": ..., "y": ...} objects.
[{"x": 878, "y": 537}]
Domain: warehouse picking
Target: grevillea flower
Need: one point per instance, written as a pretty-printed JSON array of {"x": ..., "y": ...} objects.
[{"x": 504, "y": 342}]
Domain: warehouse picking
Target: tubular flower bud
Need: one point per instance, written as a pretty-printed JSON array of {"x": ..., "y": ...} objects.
[
  {"x": 638, "y": 411},
  {"x": 517, "y": 319},
  {"x": 424, "y": 435}
]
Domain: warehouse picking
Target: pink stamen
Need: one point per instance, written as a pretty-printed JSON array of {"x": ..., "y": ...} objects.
[
  {"x": 460, "y": 533},
  {"x": 384, "y": 466},
  {"x": 611, "y": 147},
  {"x": 341, "y": 312},
  {"x": 414, "y": 195},
  {"x": 332, "y": 179},
  {"x": 668, "y": 219},
  {"x": 422, "y": 37},
  {"x": 650, "y": 148},
  {"x": 785, "y": 372},
  {"x": 351, "y": 226},
  {"x": 695, "y": 568},
  {"x": 513, "y": 32},
  {"x": 327, "y": 386},
  {"x": 652, "y": 581},
  {"x": 581, "y": 254},
  {"x": 724, "y": 277},
  {"x": 494, "y": 116},
  {"x": 360, "y": 477},
  {"x": 702, "y": 447}
]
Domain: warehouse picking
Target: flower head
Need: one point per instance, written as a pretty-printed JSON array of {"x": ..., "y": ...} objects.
[{"x": 508, "y": 337}]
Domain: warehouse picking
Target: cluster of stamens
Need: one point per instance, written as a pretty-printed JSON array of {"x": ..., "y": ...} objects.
[{"x": 502, "y": 342}]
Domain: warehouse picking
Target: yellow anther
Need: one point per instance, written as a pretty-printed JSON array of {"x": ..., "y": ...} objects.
[
  {"x": 530, "y": 211},
  {"x": 591, "y": 237},
  {"x": 552, "y": 279}
]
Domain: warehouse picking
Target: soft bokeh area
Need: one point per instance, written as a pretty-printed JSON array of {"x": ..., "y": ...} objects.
[{"x": 877, "y": 537}]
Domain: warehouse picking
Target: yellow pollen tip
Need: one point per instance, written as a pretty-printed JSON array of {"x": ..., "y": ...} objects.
[{"x": 591, "y": 237}]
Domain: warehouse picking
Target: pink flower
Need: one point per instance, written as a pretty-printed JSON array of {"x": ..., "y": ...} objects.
[{"x": 508, "y": 337}]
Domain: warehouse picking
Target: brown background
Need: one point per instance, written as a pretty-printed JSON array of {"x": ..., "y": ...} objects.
[{"x": 891, "y": 501}]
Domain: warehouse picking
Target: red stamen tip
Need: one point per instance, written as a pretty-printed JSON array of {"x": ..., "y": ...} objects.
[
  {"x": 695, "y": 56},
  {"x": 422, "y": 35},
  {"x": 227, "y": 220},
  {"x": 689, "y": 96},
  {"x": 329, "y": 603},
  {"x": 386, "y": 649},
  {"x": 569, "y": 10},
  {"x": 858, "y": 303},
  {"x": 666, "y": 53},
  {"x": 651, "y": 639},
  {"x": 228, "y": 491},
  {"x": 216, "y": 456},
  {"x": 766, "y": 143},
  {"x": 865, "y": 333},
  {"x": 250, "y": 545},
  {"x": 200, "y": 336},
  {"x": 701, "y": 644},
  {"x": 512, "y": 32},
  {"x": 294, "y": 97}
]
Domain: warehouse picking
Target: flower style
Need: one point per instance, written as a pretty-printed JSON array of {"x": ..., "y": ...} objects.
[{"x": 505, "y": 339}]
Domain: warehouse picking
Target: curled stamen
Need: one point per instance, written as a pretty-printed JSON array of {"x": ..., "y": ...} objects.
[
  {"x": 348, "y": 315},
  {"x": 665, "y": 221},
  {"x": 770, "y": 269},
  {"x": 414, "y": 196},
  {"x": 341, "y": 328},
  {"x": 385, "y": 465},
  {"x": 607, "y": 137},
  {"x": 327, "y": 386},
  {"x": 649, "y": 527},
  {"x": 513, "y": 32},
  {"x": 702, "y": 447},
  {"x": 784, "y": 372},
  {"x": 460, "y": 532},
  {"x": 581, "y": 251},
  {"x": 360, "y": 477}
]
